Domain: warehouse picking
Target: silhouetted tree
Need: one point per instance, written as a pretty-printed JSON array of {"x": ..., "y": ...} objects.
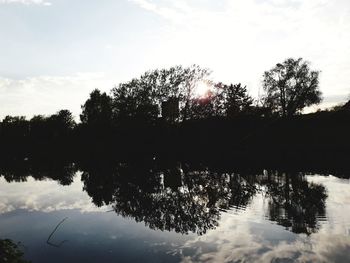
[
  {"x": 97, "y": 110},
  {"x": 202, "y": 108},
  {"x": 11, "y": 252},
  {"x": 144, "y": 96},
  {"x": 61, "y": 123},
  {"x": 232, "y": 100},
  {"x": 290, "y": 86},
  {"x": 14, "y": 135},
  {"x": 38, "y": 126},
  {"x": 15, "y": 126},
  {"x": 64, "y": 118},
  {"x": 135, "y": 99},
  {"x": 346, "y": 106},
  {"x": 52, "y": 133}
]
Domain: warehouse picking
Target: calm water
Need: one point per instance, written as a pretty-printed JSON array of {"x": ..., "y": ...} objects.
[{"x": 176, "y": 215}]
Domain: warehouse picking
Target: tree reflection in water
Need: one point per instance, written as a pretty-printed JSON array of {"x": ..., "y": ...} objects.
[
  {"x": 294, "y": 202},
  {"x": 190, "y": 200},
  {"x": 185, "y": 198}
]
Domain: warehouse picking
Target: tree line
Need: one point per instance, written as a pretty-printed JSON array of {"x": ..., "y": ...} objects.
[
  {"x": 163, "y": 104},
  {"x": 288, "y": 88}
]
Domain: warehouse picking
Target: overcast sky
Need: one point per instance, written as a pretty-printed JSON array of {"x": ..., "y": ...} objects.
[{"x": 54, "y": 52}]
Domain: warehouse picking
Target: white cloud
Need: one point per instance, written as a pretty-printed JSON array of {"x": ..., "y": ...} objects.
[
  {"x": 45, "y": 196},
  {"x": 49, "y": 94},
  {"x": 177, "y": 12},
  {"x": 237, "y": 242},
  {"x": 26, "y": 2},
  {"x": 237, "y": 39},
  {"x": 242, "y": 39},
  {"x": 245, "y": 237}
]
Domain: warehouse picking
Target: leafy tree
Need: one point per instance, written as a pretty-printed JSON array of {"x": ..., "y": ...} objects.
[
  {"x": 97, "y": 110},
  {"x": 144, "y": 96},
  {"x": 232, "y": 99},
  {"x": 15, "y": 127},
  {"x": 39, "y": 128},
  {"x": 291, "y": 86},
  {"x": 14, "y": 136},
  {"x": 347, "y": 106},
  {"x": 202, "y": 108},
  {"x": 61, "y": 124},
  {"x": 65, "y": 119},
  {"x": 10, "y": 252},
  {"x": 135, "y": 99}
]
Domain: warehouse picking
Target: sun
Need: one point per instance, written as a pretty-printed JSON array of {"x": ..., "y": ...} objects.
[{"x": 201, "y": 89}]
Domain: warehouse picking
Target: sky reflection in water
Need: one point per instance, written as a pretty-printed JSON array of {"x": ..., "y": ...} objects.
[{"x": 189, "y": 217}]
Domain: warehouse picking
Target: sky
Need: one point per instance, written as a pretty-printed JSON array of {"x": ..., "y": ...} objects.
[{"x": 53, "y": 53}]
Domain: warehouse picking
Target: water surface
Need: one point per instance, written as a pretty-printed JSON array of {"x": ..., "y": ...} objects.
[{"x": 123, "y": 214}]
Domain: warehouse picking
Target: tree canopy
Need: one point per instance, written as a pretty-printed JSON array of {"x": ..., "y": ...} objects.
[
  {"x": 290, "y": 86},
  {"x": 97, "y": 110},
  {"x": 232, "y": 99},
  {"x": 143, "y": 96}
]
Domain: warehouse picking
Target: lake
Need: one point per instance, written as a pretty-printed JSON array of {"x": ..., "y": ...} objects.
[{"x": 138, "y": 213}]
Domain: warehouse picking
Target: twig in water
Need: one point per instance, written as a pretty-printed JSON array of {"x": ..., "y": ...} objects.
[{"x": 48, "y": 239}]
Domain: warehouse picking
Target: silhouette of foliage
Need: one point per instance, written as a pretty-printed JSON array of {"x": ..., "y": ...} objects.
[
  {"x": 190, "y": 199},
  {"x": 63, "y": 121},
  {"x": 224, "y": 123},
  {"x": 295, "y": 203},
  {"x": 14, "y": 135},
  {"x": 61, "y": 170},
  {"x": 232, "y": 100},
  {"x": 184, "y": 197},
  {"x": 346, "y": 106},
  {"x": 97, "y": 110},
  {"x": 290, "y": 86},
  {"x": 20, "y": 138},
  {"x": 143, "y": 97},
  {"x": 168, "y": 199},
  {"x": 10, "y": 252},
  {"x": 202, "y": 108}
]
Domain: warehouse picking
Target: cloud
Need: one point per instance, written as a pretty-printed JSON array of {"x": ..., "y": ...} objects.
[
  {"x": 49, "y": 94},
  {"x": 26, "y": 2},
  {"x": 240, "y": 238},
  {"x": 248, "y": 237},
  {"x": 177, "y": 11},
  {"x": 44, "y": 196},
  {"x": 236, "y": 245},
  {"x": 239, "y": 40}
]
